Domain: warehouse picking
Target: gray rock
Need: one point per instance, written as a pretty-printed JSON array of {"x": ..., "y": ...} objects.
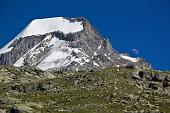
[
  {"x": 21, "y": 108},
  {"x": 2, "y": 111},
  {"x": 14, "y": 110},
  {"x": 153, "y": 85},
  {"x": 135, "y": 76},
  {"x": 9, "y": 100},
  {"x": 97, "y": 50}
]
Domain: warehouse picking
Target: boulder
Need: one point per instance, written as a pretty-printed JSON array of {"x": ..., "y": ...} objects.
[
  {"x": 157, "y": 78},
  {"x": 153, "y": 85},
  {"x": 130, "y": 66},
  {"x": 21, "y": 108},
  {"x": 2, "y": 111},
  {"x": 135, "y": 76},
  {"x": 166, "y": 84},
  {"x": 141, "y": 74},
  {"x": 14, "y": 110},
  {"x": 9, "y": 100}
]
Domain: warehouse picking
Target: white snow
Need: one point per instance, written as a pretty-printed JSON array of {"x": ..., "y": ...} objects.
[
  {"x": 55, "y": 42},
  {"x": 31, "y": 53},
  {"x": 99, "y": 47},
  {"x": 60, "y": 55},
  {"x": 96, "y": 64},
  {"x": 55, "y": 59},
  {"x": 79, "y": 60},
  {"x": 6, "y": 48},
  {"x": 109, "y": 58},
  {"x": 47, "y": 25},
  {"x": 95, "y": 54},
  {"x": 20, "y": 62},
  {"x": 77, "y": 50},
  {"x": 118, "y": 66},
  {"x": 59, "y": 58},
  {"x": 129, "y": 58},
  {"x": 56, "y": 55},
  {"x": 86, "y": 59}
]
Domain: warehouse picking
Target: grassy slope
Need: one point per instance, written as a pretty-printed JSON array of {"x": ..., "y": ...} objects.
[{"x": 104, "y": 91}]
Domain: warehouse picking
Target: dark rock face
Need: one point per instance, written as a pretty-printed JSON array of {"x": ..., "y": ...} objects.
[
  {"x": 20, "y": 47},
  {"x": 14, "y": 110},
  {"x": 153, "y": 85},
  {"x": 97, "y": 50}
]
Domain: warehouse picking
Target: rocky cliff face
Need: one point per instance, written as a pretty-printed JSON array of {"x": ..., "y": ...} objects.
[{"x": 63, "y": 44}]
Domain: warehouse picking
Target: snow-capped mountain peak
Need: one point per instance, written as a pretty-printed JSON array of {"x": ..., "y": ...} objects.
[
  {"x": 63, "y": 44},
  {"x": 47, "y": 25}
]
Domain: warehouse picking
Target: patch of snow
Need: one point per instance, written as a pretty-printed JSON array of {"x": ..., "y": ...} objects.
[
  {"x": 79, "y": 60},
  {"x": 96, "y": 64},
  {"x": 20, "y": 62},
  {"x": 83, "y": 59},
  {"x": 95, "y": 54},
  {"x": 55, "y": 42},
  {"x": 86, "y": 59},
  {"x": 99, "y": 47},
  {"x": 55, "y": 59},
  {"x": 118, "y": 66},
  {"x": 6, "y": 48},
  {"x": 60, "y": 55},
  {"x": 56, "y": 55},
  {"x": 48, "y": 37},
  {"x": 58, "y": 59},
  {"x": 31, "y": 53},
  {"x": 77, "y": 69},
  {"x": 109, "y": 58},
  {"x": 47, "y": 25},
  {"x": 77, "y": 50},
  {"x": 129, "y": 58}
]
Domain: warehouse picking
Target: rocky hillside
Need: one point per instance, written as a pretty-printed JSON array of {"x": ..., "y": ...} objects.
[
  {"x": 59, "y": 43},
  {"x": 111, "y": 90}
]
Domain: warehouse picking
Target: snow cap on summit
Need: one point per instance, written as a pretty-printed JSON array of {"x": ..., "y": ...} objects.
[{"x": 47, "y": 25}]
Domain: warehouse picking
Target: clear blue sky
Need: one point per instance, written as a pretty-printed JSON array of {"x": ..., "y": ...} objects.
[{"x": 129, "y": 24}]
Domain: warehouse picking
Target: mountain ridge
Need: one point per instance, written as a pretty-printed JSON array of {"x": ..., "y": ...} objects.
[{"x": 63, "y": 48}]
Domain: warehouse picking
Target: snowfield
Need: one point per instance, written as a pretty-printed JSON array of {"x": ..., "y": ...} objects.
[
  {"x": 129, "y": 58},
  {"x": 47, "y": 25}
]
